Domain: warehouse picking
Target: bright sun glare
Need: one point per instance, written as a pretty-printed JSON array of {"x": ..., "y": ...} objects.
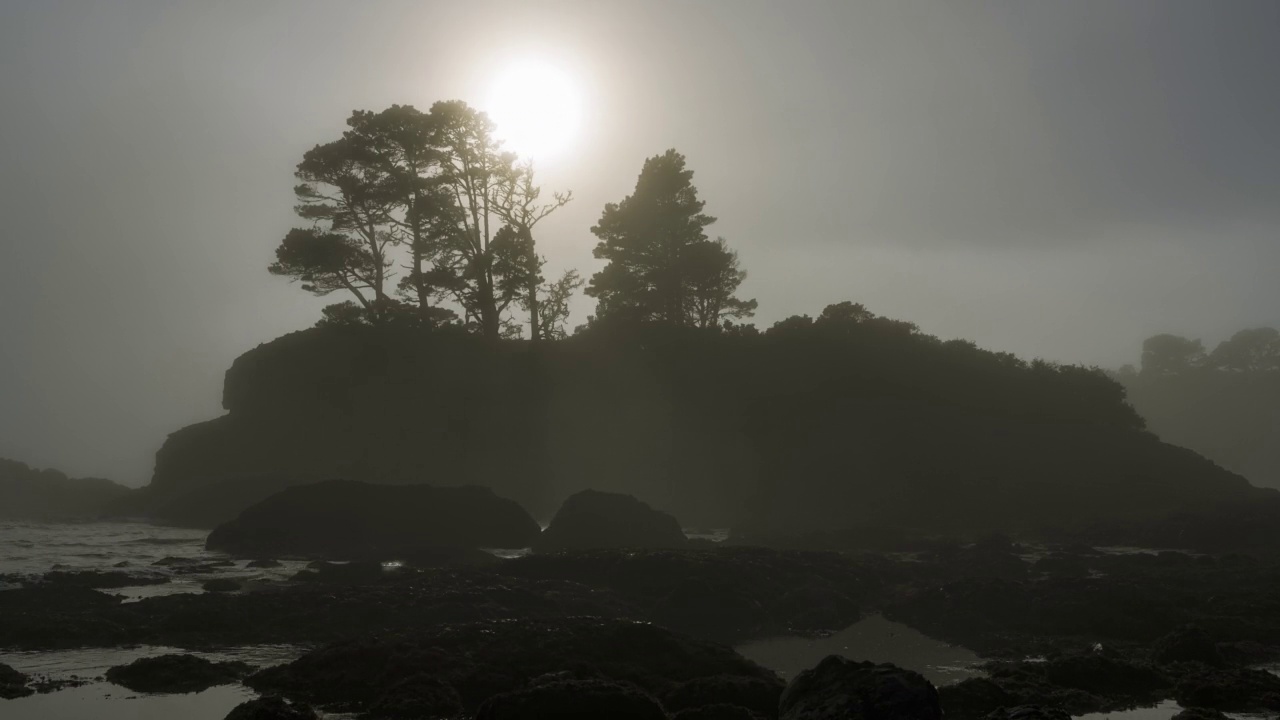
[{"x": 537, "y": 109}]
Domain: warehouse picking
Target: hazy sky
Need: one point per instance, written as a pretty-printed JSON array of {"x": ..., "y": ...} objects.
[{"x": 1059, "y": 179}]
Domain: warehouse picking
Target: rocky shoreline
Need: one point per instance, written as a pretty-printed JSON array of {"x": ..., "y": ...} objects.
[{"x": 1070, "y": 629}]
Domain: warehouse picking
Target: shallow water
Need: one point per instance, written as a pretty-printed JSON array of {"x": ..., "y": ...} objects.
[
  {"x": 873, "y": 638},
  {"x": 101, "y": 700},
  {"x": 104, "y": 701},
  {"x": 30, "y": 549}
]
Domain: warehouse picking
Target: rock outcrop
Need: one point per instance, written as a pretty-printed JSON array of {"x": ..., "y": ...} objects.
[
  {"x": 842, "y": 689},
  {"x": 342, "y": 519},
  {"x": 30, "y": 494},
  {"x": 592, "y": 520},
  {"x": 13, "y": 684},
  {"x": 176, "y": 674}
]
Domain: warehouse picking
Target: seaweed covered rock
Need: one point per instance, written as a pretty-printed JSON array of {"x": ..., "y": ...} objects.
[
  {"x": 573, "y": 700},
  {"x": 592, "y": 519},
  {"x": 1238, "y": 690},
  {"x": 1187, "y": 644},
  {"x": 13, "y": 684},
  {"x": 176, "y": 674},
  {"x": 974, "y": 698},
  {"x": 271, "y": 708},
  {"x": 483, "y": 659},
  {"x": 756, "y": 694},
  {"x": 347, "y": 520},
  {"x": 1200, "y": 714},
  {"x": 842, "y": 689}
]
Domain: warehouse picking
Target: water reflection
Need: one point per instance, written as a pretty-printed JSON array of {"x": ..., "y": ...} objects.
[{"x": 873, "y": 638}]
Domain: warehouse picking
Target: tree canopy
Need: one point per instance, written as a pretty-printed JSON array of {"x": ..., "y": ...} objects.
[{"x": 660, "y": 264}]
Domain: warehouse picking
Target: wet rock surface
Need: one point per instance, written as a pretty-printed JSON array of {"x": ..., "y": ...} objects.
[
  {"x": 348, "y": 520},
  {"x": 592, "y": 519},
  {"x": 220, "y": 585},
  {"x": 176, "y": 674},
  {"x": 840, "y": 689},
  {"x": 1137, "y": 630},
  {"x": 271, "y": 708},
  {"x": 13, "y": 684}
]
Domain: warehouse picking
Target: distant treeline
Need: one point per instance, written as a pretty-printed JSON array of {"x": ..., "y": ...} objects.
[{"x": 1223, "y": 403}]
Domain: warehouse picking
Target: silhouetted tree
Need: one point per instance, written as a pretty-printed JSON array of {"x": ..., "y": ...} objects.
[
  {"x": 482, "y": 270},
  {"x": 713, "y": 278},
  {"x": 1171, "y": 354},
  {"x": 517, "y": 203},
  {"x": 329, "y": 261},
  {"x": 660, "y": 264},
  {"x": 554, "y": 307},
  {"x": 1254, "y": 350},
  {"x": 400, "y": 161}
]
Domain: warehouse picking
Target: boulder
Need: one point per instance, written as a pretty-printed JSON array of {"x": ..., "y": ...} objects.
[
  {"x": 592, "y": 519},
  {"x": 843, "y": 689},
  {"x": 573, "y": 700},
  {"x": 176, "y": 674},
  {"x": 348, "y": 520},
  {"x": 271, "y": 708},
  {"x": 13, "y": 684},
  {"x": 1187, "y": 644}
]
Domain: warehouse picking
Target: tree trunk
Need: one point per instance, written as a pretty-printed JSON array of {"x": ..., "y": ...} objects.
[{"x": 535, "y": 330}]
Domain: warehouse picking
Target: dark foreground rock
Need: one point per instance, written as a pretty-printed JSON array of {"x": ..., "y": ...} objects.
[
  {"x": 13, "y": 684},
  {"x": 592, "y": 519},
  {"x": 347, "y": 520},
  {"x": 1188, "y": 643},
  {"x": 573, "y": 700},
  {"x": 176, "y": 674},
  {"x": 1029, "y": 712},
  {"x": 271, "y": 708},
  {"x": 718, "y": 712},
  {"x": 480, "y": 660},
  {"x": 1238, "y": 690},
  {"x": 757, "y": 694},
  {"x": 842, "y": 689}
]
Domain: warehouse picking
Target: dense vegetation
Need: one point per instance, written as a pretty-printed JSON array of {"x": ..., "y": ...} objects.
[
  {"x": 847, "y": 419},
  {"x": 1223, "y": 403}
]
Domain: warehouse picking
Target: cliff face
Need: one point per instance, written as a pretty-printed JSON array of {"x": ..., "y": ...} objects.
[
  {"x": 30, "y": 494},
  {"x": 819, "y": 427}
]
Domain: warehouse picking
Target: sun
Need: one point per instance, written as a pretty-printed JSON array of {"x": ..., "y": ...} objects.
[{"x": 537, "y": 109}]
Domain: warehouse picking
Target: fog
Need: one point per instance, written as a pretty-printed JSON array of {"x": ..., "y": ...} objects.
[{"x": 1060, "y": 180}]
